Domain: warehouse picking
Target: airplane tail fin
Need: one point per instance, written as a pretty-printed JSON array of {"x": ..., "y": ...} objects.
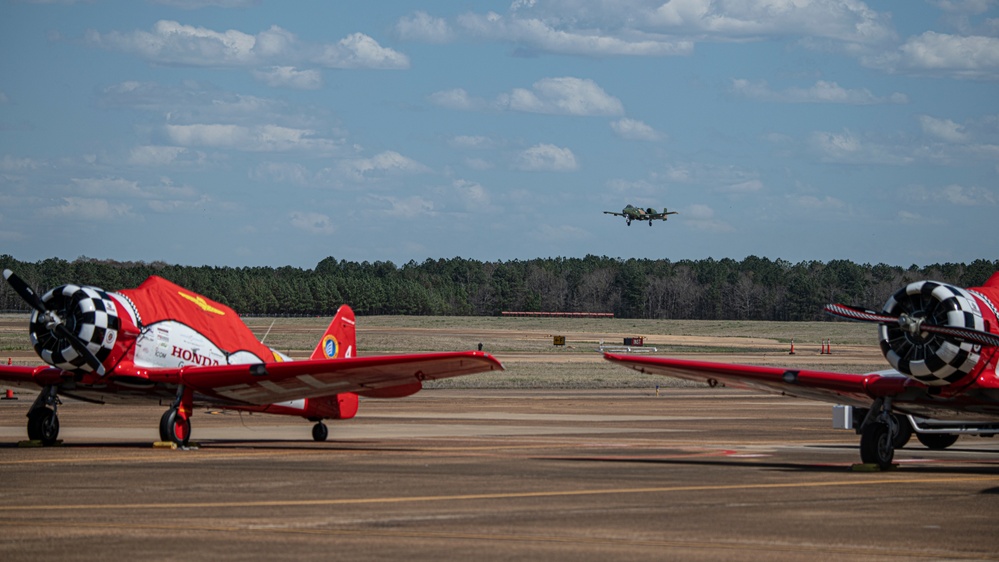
[{"x": 340, "y": 339}]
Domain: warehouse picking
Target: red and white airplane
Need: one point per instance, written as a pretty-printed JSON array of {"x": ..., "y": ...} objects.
[
  {"x": 160, "y": 342},
  {"x": 942, "y": 344}
]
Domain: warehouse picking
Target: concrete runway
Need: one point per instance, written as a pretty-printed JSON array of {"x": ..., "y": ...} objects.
[{"x": 693, "y": 474}]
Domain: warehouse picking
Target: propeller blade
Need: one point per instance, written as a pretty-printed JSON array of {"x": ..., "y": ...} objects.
[
  {"x": 81, "y": 348},
  {"x": 987, "y": 339},
  {"x": 22, "y": 289},
  {"x": 858, "y": 314}
]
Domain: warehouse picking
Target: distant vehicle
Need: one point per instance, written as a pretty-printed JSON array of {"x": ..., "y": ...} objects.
[{"x": 631, "y": 213}]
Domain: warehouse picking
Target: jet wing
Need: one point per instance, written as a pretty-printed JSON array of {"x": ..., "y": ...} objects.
[
  {"x": 838, "y": 388},
  {"x": 613, "y": 213},
  {"x": 386, "y": 376}
]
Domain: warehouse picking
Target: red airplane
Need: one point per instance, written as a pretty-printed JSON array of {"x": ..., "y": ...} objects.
[
  {"x": 162, "y": 342},
  {"x": 941, "y": 343}
]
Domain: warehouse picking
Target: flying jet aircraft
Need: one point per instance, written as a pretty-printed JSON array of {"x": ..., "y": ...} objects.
[
  {"x": 939, "y": 339},
  {"x": 161, "y": 342},
  {"x": 631, "y": 213}
]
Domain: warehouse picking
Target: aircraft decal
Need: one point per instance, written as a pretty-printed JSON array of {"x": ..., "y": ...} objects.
[
  {"x": 330, "y": 347},
  {"x": 202, "y": 303}
]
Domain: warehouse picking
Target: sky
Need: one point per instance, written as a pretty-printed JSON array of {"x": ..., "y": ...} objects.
[{"x": 263, "y": 133}]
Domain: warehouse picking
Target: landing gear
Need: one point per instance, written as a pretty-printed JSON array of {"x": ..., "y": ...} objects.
[
  {"x": 650, "y": 223},
  {"x": 43, "y": 420},
  {"x": 938, "y": 441},
  {"x": 320, "y": 432},
  {"x": 628, "y": 221},
  {"x": 876, "y": 445},
  {"x": 43, "y": 425},
  {"x": 878, "y": 434},
  {"x": 175, "y": 428},
  {"x": 175, "y": 424}
]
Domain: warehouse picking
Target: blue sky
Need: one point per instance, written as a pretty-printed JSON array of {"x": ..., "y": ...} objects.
[{"x": 242, "y": 132}]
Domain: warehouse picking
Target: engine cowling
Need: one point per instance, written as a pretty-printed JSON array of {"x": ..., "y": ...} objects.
[
  {"x": 87, "y": 312},
  {"x": 933, "y": 359}
]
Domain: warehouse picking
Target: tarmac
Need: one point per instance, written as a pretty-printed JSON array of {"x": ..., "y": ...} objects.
[{"x": 688, "y": 474}]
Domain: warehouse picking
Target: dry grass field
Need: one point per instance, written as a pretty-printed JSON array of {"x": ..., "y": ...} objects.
[{"x": 525, "y": 345}]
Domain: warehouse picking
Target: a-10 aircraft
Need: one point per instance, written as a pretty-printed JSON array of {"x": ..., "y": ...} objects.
[
  {"x": 631, "y": 213},
  {"x": 941, "y": 342},
  {"x": 160, "y": 342}
]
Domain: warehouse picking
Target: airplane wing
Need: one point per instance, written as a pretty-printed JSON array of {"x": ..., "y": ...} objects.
[
  {"x": 29, "y": 376},
  {"x": 613, "y": 213},
  {"x": 388, "y": 376},
  {"x": 837, "y": 388}
]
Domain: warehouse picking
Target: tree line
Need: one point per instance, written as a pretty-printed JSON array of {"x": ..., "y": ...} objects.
[{"x": 751, "y": 289}]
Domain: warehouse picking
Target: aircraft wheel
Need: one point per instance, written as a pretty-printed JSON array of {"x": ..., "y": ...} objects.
[
  {"x": 43, "y": 425},
  {"x": 904, "y": 432},
  {"x": 938, "y": 441},
  {"x": 320, "y": 432},
  {"x": 629, "y": 222},
  {"x": 175, "y": 428},
  {"x": 876, "y": 445},
  {"x": 650, "y": 223}
]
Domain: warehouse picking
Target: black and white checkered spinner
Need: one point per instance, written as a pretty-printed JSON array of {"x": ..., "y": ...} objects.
[
  {"x": 933, "y": 359},
  {"x": 89, "y": 313}
]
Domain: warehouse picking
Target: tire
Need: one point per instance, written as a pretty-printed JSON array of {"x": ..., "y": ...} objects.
[
  {"x": 177, "y": 429},
  {"x": 904, "y": 432},
  {"x": 937, "y": 441},
  {"x": 43, "y": 425},
  {"x": 320, "y": 432},
  {"x": 165, "y": 426},
  {"x": 876, "y": 445}
]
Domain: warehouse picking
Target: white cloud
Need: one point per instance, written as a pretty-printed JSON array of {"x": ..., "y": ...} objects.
[
  {"x": 815, "y": 203},
  {"x": 360, "y": 51},
  {"x": 566, "y": 96},
  {"x": 975, "y": 57},
  {"x": 313, "y": 223},
  {"x": 658, "y": 28},
  {"x": 423, "y": 27},
  {"x": 848, "y": 22},
  {"x": 259, "y": 138},
  {"x": 702, "y": 217},
  {"x": 89, "y": 209},
  {"x": 557, "y": 96},
  {"x": 282, "y": 172},
  {"x": 408, "y": 207},
  {"x": 820, "y": 92},
  {"x": 943, "y": 129},
  {"x": 541, "y": 35},
  {"x": 14, "y": 164},
  {"x": 967, "y": 196},
  {"x": 849, "y": 148},
  {"x": 457, "y": 98},
  {"x": 472, "y": 141},
  {"x": 170, "y": 42},
  {"x": 632, "y": 129},
  {"x": 153, "y": 156},
  {"x": 289, "y": 77},
  {"x": 472, "y": 195},
  {"x": 546, "y": 157},
  {"x": 388, "y": 162}
]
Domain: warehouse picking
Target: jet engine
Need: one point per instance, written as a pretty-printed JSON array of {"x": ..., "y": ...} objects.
[
  {"x": 918, "y": 345},
  {"x": 75, "y": 328}
]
